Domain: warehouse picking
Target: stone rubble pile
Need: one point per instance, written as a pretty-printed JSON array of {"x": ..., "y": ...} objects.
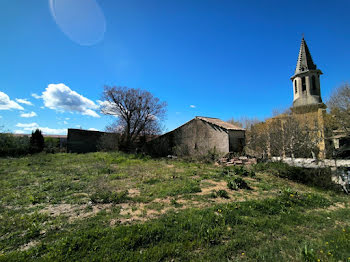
[{"x": 242, "y": 160}]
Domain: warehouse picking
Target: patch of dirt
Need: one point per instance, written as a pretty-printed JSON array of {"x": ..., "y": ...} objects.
[
  {"x": 29, "y": 245},
  {"x": 132, "y": 212},
  {"x": 162, "y": 200},
  {"x": 221, "y": 185},
  {"x": 74, "y": 212},
  {"x": 336, "y": 206},
  {"x": 60, "y": 209},
  {"x": 133, "y": 192}
]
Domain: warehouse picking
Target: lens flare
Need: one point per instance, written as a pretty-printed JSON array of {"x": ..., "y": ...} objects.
[{"x": 81, "y": 20}]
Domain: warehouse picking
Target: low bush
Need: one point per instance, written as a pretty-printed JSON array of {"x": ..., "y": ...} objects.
[
  {"x": 212, "y": 156},
  {"x": 241, "y": 183},
  {"x": 52, "y": 145},
  {"x": 11, "y": 145},
  {"x": 222, "y": 193},
  {"x": 232, "y": 185},
  {"x": 318, "y": 177}
]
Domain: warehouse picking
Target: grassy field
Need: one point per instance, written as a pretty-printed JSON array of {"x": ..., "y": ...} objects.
[{"x": 118, "y": 207}]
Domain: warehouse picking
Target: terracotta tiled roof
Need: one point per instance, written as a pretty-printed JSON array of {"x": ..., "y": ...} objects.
[{"x": 220, "y": 123}]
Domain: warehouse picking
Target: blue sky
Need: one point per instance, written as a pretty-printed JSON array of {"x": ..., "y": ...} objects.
[{"x": 210, "y": 58}]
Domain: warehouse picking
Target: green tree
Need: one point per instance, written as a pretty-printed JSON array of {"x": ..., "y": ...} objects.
[{"x": 36, "y": 142}]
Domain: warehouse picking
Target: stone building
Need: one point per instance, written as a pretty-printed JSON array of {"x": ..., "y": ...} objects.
[
  {"x": 198, "y": 136},
  {"x": 84, "y": 141}
]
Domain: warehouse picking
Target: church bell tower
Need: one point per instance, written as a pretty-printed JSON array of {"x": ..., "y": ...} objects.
[{"x": 306, "y": 82}]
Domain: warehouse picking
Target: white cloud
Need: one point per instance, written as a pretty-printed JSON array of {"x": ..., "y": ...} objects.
[
  {"x": 67, "y": 118},
  {"x": 106, "y": 107},
  {"x": 65, "y": 122},
  {"x": 27, "y": 115},
  {"x": 24, "y": 101},
  {"x": 89, "y": 112},
  {"x": 61, "y": 98},
  {"x": 0, "y": 116},
  {"x": 46, "y": 130},
  {"x": 28, "y": 125},
  {"x": 36, "y": 96},
  {"x": 92, "y": 129},
  {"x": 192, "y": 106},
  {"x": 6, "y": 103},
  {"x": 53, "y": 131}
]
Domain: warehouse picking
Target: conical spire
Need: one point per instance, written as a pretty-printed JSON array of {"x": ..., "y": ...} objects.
[{"x": 305, "y": 62}]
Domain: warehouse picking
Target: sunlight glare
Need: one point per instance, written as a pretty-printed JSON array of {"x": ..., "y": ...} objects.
[{"x": 81, "y": 20}]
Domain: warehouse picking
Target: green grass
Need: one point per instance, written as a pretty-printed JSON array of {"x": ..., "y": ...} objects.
[{"x": 119, "y": 207}]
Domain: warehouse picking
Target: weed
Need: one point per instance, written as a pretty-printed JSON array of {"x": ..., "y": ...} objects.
[
  {"x": 175, "y": 203},
  {"x": 109, "y": 197},
  {"x": 232, "y": 185},
  {"x": 222, "y": 193}
]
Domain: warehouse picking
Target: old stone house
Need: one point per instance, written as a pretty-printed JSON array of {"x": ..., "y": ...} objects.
[{"x": 198, "y": 136}]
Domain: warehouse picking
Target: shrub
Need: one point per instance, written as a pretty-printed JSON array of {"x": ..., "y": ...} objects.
[
  {"x": 318, "y": 177},
  {"x": 52, "y": 145},
  {"x": 36, "y": 142},
  {"x": 222, "y": 193},
  {"x": 240, "y": 182},
  {"x": 232, "y": 185},
  {"x": 11, "y": 145},
  {"x": 212, "y": 156}
]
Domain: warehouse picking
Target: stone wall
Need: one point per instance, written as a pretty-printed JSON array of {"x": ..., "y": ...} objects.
[
  {"x": 196, "y": 137},
  {"x": 83, "y": 141},
  {"x": 313, "y": 163}
]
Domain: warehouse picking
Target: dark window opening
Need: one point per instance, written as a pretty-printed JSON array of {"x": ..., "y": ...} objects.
[
  {"x": 303, "y": 84},
  {"x": 296, "y": 86},
  {"x": 313, "y": 83}
]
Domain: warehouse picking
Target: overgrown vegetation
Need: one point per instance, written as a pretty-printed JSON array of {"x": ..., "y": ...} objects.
[
  {"x": 119, "y": 207},
  {"x": 13, "y": 146},
  {"x": 320, "y": 177},
  {"x": 17, "y": 146}
]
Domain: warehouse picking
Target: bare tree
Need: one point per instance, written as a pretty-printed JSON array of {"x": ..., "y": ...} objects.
[
  {"x": 285, "y": 135},
  {"x": 244, "y": 121},
  {"x": 339, "y": 106},
  {"x": 235, "y": 122},
  {"x": 139, "y": 112}
]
